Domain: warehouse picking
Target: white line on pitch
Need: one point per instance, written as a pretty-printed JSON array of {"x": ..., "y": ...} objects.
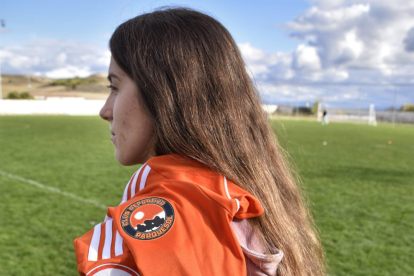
[{"x": 52, "y": 189}]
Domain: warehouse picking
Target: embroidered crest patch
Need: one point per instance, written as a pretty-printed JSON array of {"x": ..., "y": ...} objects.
[{"x": 148, "y": 218}]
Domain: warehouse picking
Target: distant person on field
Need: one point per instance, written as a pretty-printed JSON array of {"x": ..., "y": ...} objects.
[
  {"x": 325, "y": 118},
  {"x": 215, "y": 195}
]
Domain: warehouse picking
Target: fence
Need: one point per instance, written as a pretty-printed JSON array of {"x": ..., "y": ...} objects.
[
  {"x": 56, "y": 106},
  {"x": 381, "y": 115},
  {"x": 80, "y": 106}
]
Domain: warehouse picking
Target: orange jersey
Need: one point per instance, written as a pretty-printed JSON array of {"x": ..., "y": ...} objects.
[{"x": 174, "y": 219}]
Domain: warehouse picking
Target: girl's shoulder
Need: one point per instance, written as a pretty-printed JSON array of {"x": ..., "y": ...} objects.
[{"x": 173, "y": 212}]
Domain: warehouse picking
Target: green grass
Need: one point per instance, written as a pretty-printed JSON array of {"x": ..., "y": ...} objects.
[{"x": 361, "y": 191}]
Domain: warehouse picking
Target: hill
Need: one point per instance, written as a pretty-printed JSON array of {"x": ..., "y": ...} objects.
[{"x": 93, "y": 87}]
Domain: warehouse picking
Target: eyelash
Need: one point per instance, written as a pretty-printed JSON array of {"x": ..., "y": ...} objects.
[{"x": 113, "y": 88}]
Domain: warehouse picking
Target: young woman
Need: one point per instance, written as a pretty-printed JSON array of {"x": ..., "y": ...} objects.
[{"x": 215, "y": 195}]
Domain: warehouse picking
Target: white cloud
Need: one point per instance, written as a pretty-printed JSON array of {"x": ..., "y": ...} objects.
[
  {"x": 306, "y": 58},
  {"x": 346, "y": 41},
  {"x": 261, "y": 64},
  {"x": 69, "y": 72},
  {"x": 55, "y": 59},
  {"x": 409, "y": 41},
  {"x": 317, "y": 19},
  {"x": 331, "y": 4},
  {"x": 350, "y": 35},
  {"x": 61, "y": 58}
]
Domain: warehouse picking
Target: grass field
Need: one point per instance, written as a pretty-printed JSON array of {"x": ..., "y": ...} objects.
[{"x": 361, "y": 191}]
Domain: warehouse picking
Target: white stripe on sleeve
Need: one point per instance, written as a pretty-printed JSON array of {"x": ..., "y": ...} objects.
[
  {"x": 144, "y": 177},
  {"x": 228, "y": 194},
  {"x": 106, "y": 253},
  {"x": 225, "y": 186},
  {"x": 107, "y": 218},
  {"x": 93, "y": 247},
  {"x": 134, "y": 182},
  {"x": 124, "y": 197},
  {"x": 118, "y": 244},
  {"x": 238, "y": 204}
]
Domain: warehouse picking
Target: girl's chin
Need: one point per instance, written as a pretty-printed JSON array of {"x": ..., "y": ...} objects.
[{"x": 126, "y": 160}]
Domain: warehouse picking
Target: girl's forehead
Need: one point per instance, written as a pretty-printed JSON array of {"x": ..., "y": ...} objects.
[{"x": 115, "y": 72}]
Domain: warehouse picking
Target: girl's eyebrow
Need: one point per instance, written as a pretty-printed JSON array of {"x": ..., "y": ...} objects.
[{"x": 112, "y": 75}]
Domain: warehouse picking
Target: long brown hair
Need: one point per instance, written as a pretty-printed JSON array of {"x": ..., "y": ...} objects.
[{"x": 193, "y": 82}]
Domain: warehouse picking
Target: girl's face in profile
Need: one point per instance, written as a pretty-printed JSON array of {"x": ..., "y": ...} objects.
[{"x": 130, "y": 123}]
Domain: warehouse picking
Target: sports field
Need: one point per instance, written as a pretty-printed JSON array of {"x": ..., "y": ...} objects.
[{"x": 58, "y": 172}]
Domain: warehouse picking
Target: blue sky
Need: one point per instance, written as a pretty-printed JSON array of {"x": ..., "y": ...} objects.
[
  {"x": 93, "y": 21},
  {"x": 284, "y": 43}
]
